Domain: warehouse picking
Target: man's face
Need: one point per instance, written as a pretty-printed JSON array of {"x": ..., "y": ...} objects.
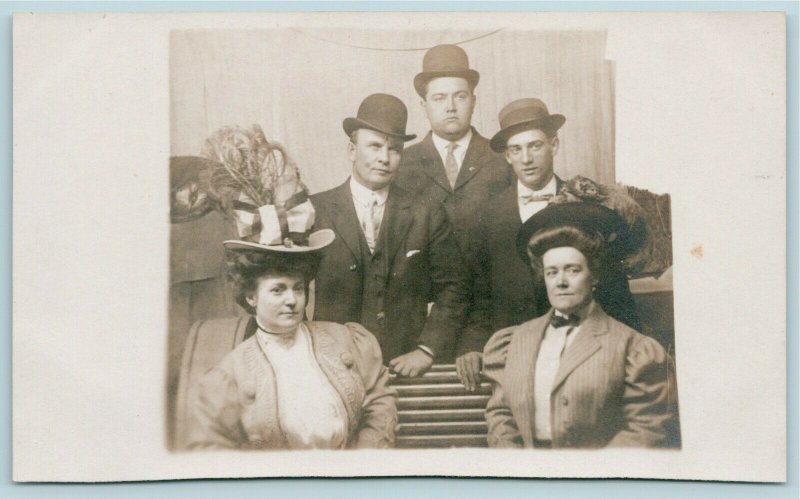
[
  {"x": 375, "y": 157},
  {"x": 448, "y": 104},
  {"x": 530, "y": 154},
  {"x": 567, "y": 278}
]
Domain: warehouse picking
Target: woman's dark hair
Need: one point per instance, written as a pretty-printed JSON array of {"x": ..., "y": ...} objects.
[
  {"x": 592, "y": 246},
  {"x": 246, "y": 268}
]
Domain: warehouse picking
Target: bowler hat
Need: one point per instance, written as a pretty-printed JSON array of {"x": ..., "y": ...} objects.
[
  {"x": 383, "y": 113},
  {"x": 588, "y": 217},
  {"x": 521, "y": 115},
  {"x": 445, "y": 60}
]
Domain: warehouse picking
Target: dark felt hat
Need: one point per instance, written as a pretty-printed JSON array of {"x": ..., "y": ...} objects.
[
  {"x": 383, "y": 113},
  {"x": 445, "y": 60},
  {"x": 521, "y": 115},
  {"x": 588, "y": 217}
]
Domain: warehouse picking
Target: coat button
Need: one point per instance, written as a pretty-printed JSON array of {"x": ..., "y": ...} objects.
[
  {"x": 564, "y": 400},
  {"x": 353, "y": 267},
  {"x": 347, "y": 359}
]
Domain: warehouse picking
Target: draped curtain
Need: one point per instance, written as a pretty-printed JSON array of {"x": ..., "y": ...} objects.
[{"x": 299, "y": 85}]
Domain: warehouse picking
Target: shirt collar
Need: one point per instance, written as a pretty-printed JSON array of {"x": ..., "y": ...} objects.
[
  {"x": 583, "y": 313},
  {"x": 363, "y": 195},
  {"x": 549, "y": 188},
  {"x": 441, "y": 144}
]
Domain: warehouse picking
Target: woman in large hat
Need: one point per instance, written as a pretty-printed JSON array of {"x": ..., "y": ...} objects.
[
  {"x": 576, "y": 377},
  {"x": 291, "y": 384}
]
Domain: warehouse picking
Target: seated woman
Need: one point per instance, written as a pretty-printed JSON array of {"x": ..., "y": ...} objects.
[
  {"x": 292, "y": 384},
  {"x": 575, "y": 377}
]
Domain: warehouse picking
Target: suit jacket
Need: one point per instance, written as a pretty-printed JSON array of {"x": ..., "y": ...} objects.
[
  {"x": 506, "y": 290},
  {"x": 236, "y": 401},
  {"x": 483, "y": 175},
  {"x": 614, "y": 387},
  {"x": 424, "y": 263}
]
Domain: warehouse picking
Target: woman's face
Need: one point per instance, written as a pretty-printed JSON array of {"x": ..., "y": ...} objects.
[
  {"x": 568, "y": 279},
  {"x": 279, "y": 303}
]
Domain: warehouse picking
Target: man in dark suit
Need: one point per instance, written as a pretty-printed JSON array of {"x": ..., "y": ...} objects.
[
  {"x": 393, "y": 254},
  {"x": 506, "y": 292},
  {"x": 453, "y": 164}
]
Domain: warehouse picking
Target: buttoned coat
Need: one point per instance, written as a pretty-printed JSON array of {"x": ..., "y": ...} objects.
[
  {"x": 613, "y": 388},
  {"x": 482, "y": 176},
  {"x": 424, "y": 265},
  {"x": 235, "y": 404}
]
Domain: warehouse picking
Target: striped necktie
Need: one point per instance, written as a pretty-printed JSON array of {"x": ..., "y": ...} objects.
[
  {"x": 372, "y": 223},
  {"x": 450, "y": 164}
]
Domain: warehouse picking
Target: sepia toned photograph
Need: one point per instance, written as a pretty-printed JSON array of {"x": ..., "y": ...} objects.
[
  {"x": 380, "y": 240},
  {"x": 393, "y": 244}
]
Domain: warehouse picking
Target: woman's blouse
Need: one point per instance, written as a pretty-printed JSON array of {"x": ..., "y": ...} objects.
[{"x": 310, "y": 412}]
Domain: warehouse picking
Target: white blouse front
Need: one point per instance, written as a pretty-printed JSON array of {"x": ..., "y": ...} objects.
[{"x": 311, "y": 412}]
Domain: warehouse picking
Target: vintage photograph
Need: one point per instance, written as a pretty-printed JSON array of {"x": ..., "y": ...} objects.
[
  {"x": 411, "y": 239},
  {"x": 399, "y": 244}
]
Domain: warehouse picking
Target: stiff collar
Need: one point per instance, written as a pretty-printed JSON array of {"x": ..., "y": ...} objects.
[
  {"x": 363, "y": 196},
  {"x": 549, "y": 188},
  {"x": 463, "y": 143}
]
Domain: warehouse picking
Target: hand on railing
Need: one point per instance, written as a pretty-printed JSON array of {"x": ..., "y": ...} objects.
[{"x": 468, "y": 368}]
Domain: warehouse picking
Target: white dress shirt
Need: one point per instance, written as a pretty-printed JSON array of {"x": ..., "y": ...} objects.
[
  {"x": 311, "y": 412},
  {"x": 554, "y": 344},
  {"x": 459, "y": 153},
  {"x": 362, "y": 199},
  {"x": 527, "y": 210}
]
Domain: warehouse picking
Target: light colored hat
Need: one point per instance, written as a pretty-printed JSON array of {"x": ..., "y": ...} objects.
[
  {"x": 524, "y": 114},
  {"x": 316, "y": 241}
]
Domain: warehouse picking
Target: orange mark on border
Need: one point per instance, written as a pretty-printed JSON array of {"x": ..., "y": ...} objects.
[{"x": 697, "y": 252}]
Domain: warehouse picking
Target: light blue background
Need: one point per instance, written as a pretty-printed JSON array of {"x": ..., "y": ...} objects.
[{"x": 405, "y": 487}]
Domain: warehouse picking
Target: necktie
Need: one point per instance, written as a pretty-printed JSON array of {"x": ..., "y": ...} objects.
[
  {"x": 450, "y": 165},
  {"x": 372, "y": 223},
  {"x": 561, "y": 321},
  {"x": 530, "y": 198}
]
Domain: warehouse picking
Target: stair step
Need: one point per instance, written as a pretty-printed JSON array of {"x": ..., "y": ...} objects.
[
  {"x": 443, "y": 428},
  {"x": 445, "y": 402}
]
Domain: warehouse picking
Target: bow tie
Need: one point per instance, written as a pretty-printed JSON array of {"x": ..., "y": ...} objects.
[
  {"x": 530, "y": 198},
  {"x": 561, "y": 321}
]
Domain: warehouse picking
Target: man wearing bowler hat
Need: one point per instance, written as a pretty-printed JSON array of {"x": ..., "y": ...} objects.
[
  {"x": 453, "y": 164},
  {"x": 506, "y": 292},
  {"x": 393, "y": 254}
]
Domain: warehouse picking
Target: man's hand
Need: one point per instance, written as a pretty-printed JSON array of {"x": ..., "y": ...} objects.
[
  {"x": 468, "y": 367},
  {"x": 411, "y": 364}
]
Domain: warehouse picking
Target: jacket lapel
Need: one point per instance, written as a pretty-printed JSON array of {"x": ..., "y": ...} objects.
[
  {"x": 473, "y": 160},
  {"x": 345, "y": 220},
  {"x": 268, "y": 431},
  {"x": 432, "y": 163},
  {"x": 528, "y": 351},
  {"x": 398, "y": 220},
  {"x": 332, "y": 359},
  {"x": 509, "y": 208},
  {"x": 584, "y": 346}
]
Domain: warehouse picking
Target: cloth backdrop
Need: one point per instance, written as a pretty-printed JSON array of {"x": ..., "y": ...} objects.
[{"x": 300, "y": 84}]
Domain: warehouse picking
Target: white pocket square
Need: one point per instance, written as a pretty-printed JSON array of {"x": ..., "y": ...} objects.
[{"x": 411, "y": 253}]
